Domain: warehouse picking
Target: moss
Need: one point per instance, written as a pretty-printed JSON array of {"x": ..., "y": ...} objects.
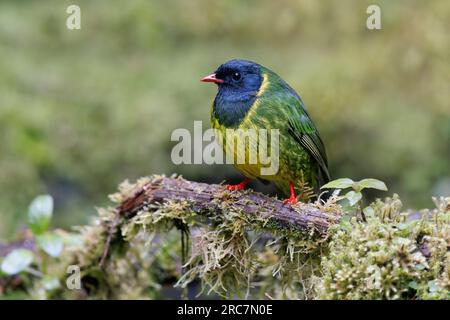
[
  {"x": 232, "y": 253},
  {"x": 393, "y": 256}
]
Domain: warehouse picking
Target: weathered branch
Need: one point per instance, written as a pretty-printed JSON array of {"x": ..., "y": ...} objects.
[{"x": 208, "y": 197}]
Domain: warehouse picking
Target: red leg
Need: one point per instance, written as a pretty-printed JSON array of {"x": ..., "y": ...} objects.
[
  {"x": 239, "y": 186},
  {"x": 292, "y": 199}
]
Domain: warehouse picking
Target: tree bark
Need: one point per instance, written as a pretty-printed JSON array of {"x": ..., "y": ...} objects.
[{"x": 206, "y": 198}]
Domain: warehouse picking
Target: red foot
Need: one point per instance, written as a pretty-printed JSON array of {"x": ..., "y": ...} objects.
[
  {"x": 239, "y": 186},
  {"x": 292, "y": 199}
]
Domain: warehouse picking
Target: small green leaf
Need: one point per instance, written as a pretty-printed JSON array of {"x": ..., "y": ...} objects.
[
  {"x": 432, "y": 286},
  {"x": 17, "y": 261},
  {"x": 342, "y": 183},
  {"x": 40, "y": 213},
  {"x": 353, "y": 197},
  {"x": 373, "y": 184},
  {"x": 51, "y": 243},
  {"x": 50, "y": 283},
  {"x": 413, "y": 285}
]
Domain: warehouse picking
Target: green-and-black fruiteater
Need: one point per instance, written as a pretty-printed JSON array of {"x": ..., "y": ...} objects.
[{"x": 251, "y": 96}]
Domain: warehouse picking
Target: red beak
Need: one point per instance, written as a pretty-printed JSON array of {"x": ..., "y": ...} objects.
[{"x": 211, "y": 78}]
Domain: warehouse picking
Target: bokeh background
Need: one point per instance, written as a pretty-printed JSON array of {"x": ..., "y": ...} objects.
[{"x": 82, "y": 110}]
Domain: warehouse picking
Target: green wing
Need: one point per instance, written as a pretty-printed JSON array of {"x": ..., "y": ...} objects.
[
  {"x": 303, "y": 130},
  {"x": 283, "y": 98}
]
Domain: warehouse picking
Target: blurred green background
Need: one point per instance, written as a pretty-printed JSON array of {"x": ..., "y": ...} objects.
[{"x": 82, "y": 110}]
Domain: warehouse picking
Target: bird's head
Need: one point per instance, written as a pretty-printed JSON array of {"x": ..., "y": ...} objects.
[
  {"x": 237, "y": 77},
  {"x": 238, "y": 82}
]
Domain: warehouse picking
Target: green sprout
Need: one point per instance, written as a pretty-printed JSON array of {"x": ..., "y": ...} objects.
[
  {"x": 354, "y": 196},
  {"x": 48, "y": 243}
]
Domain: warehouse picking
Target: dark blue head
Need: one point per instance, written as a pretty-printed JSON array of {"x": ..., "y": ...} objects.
[{"x": 238, "y": 82}]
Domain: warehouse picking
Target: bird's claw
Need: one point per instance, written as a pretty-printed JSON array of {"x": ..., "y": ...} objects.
[
  {"x": 291, "y": 201},
  {"x": 233, "y": 187},
  {"x": 239, "y": 186}
]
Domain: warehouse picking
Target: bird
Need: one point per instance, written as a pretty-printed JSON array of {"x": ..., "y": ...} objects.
[{"x": 251, "y": 96}]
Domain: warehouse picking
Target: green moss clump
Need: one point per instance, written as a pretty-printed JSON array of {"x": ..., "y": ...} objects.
[{"x": 393, "y": 256}]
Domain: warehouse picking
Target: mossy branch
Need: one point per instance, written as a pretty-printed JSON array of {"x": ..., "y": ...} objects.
[
  {"x": 207, "y": 199},
  {"x": 247, "y": 244}
]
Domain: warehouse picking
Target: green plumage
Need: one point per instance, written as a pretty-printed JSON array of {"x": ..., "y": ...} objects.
[{"x": 275, "y": 105}]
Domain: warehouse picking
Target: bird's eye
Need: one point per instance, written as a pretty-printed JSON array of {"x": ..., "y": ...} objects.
[{"x": 236, "y": 76}]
